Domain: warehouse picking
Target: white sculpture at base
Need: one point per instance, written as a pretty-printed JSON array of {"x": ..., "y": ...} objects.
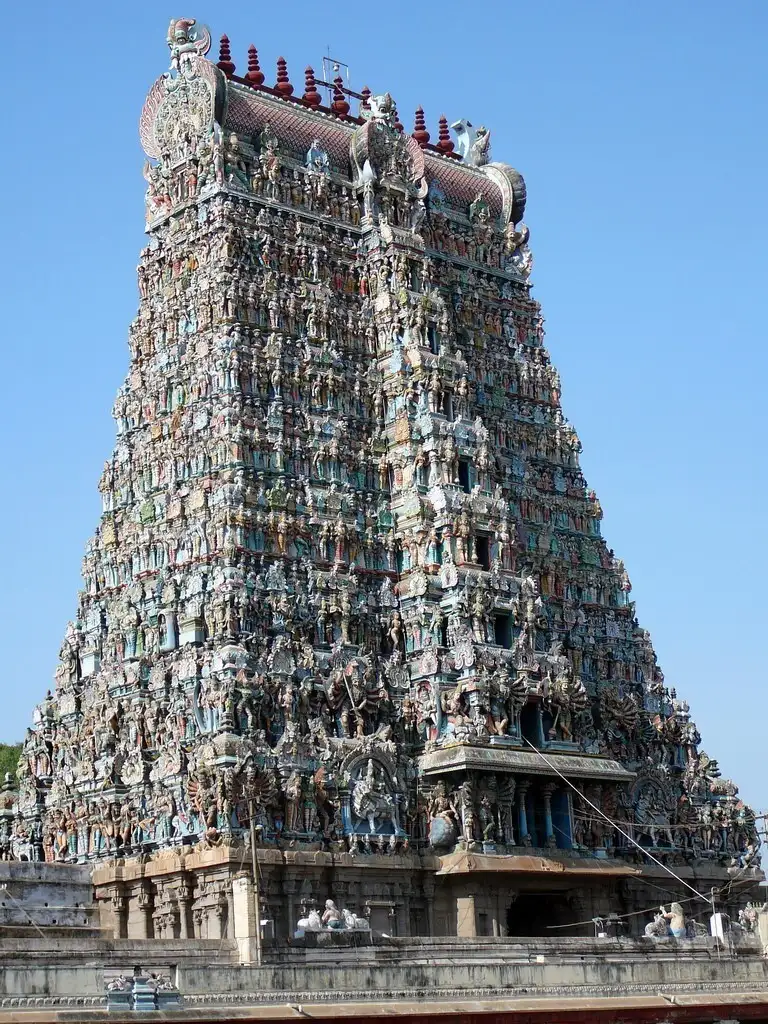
[
  {"x": 311, "y": 923},
  {"x": 353, "y": 923},
  {"x": 339, "y": 921}
]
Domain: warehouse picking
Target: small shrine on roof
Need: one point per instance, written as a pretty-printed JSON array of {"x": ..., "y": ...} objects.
[{"x": 349, "y": 590}]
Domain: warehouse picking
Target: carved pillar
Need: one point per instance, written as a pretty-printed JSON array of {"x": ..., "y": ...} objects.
[
  {"x": 404, "y": 913},
  {"x": 244, "y": 919},
  {"x": 762, "y": 926},
  {"x": 340, "y": 890},
  {"x": 119, "y": 924},
  {"x": 307, "y": 899},
  {"x": 428, "y": 888},
  {"x": 346, "y": 817},
  {"x": 230, "y": 925},
  {"x": 289, "y": 891},
  {"x": 549, "y": 829},
  {"x": 220, "y": 917},
  {"x": 466, "y": 919},
  {"x": 522, "y": 793},
  {"x": 355, "y": 897},
  {"x": 498, "y": 918},
  {"x": 183, "y": 900},
  {"x": 506, "y": 810},
  {"x": 438, "y": 709},
  {"x": 140, "y": 921}
]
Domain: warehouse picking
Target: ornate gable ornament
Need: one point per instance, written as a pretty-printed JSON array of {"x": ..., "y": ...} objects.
[
  {"x": 391, "y": 156},
  {"x": 187, "y": 101}
]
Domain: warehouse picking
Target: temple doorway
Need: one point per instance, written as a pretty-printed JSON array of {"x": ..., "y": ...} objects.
[{"x": 532, "y": 912}]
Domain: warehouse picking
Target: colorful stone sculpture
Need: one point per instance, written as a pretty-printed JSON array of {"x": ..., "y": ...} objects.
[{"x": 349, "y": 577}]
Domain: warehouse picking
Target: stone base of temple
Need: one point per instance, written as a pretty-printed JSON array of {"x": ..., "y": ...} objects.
[
  {"x": 61, "y": 963},
  {"x": 397, "y": 976},
  {"x": 191, "y": 892}
]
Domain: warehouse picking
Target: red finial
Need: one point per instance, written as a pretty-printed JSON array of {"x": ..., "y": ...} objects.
[
  {"x": 225, "y": 57},
  {"x": 283, "y": 85},
  {"x": 339, "y": 105},
  {"x": 420, "y": 132},
  {"x": 396, "y": 118},
  {"x": 255, "y": 75},
  {"x": 311, "y": 96},
  {"x": 366, "y": 94},
  {"x": 444, "y": 140}
]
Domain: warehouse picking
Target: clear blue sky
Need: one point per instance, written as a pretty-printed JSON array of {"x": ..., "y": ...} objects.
[{"x": 640, "y": 129}]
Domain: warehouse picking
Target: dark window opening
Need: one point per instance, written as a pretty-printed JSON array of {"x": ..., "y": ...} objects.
[
  {"x": 464, "y": 475},
  {"x": 482, "y": 553},
  {"x": 501, "y": 630},
  {"x": 530, "y": 724},
  {"x": 547, "y": 721},
  {"x": 533, "y": 913},
  {"x": 432, "y": 338}
]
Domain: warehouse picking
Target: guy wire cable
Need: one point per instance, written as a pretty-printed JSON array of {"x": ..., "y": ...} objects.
[{"x": 661, "y": 864}]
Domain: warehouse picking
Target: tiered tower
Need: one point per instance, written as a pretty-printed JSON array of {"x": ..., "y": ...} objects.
[{"x": 349, "y": 583}]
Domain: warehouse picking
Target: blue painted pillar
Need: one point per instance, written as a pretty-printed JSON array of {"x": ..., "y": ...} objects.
[
  {"x": 522, "y": 793},
  {"x": 549, "y": 830}
]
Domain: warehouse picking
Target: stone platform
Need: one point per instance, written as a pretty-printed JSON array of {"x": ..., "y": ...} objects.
[
  {"x": 60, "y": 961},
  {"x": 35, "y": 973},
  {"x": 48, "y": 897}
]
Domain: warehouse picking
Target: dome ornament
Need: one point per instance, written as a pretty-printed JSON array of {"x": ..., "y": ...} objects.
[
  {"x": 185, "y": 38},
  {"x": 254, "y": 76}
]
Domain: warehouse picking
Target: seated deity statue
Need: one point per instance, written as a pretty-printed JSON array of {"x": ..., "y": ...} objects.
[{"x": 332, "y": 916}]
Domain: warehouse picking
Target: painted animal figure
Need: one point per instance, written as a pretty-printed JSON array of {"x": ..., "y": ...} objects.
[
  {"x": 354, "y": 923},
  {"x": 311, "y": 923}
]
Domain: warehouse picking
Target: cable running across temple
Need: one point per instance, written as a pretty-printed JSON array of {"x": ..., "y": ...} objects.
[
  {"x": 613, "y": 824},
  {"x": 648, "y": 910}
]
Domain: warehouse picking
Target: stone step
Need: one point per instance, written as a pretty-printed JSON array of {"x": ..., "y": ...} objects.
[
  {"x": 23, "y": 913},
  {"x": 43, "y": 894},
  {"x": 78, "y": 944},
  {"x": 35, "y": 895},
  {"x": 15, "y": 932},
  {"x": 40, "y": 871}
]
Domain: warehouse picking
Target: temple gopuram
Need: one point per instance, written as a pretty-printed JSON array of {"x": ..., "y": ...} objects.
[{"x": 349, "y": 598}]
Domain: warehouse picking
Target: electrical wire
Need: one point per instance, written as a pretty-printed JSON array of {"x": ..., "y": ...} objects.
[
  {"x": 617, "y": 917},
  {"x": 722, "y": 894},
  {"x": 642, "y": 824},
  {"x": 613, "y": 824}
]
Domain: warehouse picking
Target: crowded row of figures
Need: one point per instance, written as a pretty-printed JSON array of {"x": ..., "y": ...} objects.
[
  {"x": 344, "y": 526},
  {"x": 330, "y": 200},
  {"x": 153, "y": 779}
]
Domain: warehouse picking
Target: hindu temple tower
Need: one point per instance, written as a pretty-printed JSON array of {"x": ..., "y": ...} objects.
[{"x": 348, "y": 573}]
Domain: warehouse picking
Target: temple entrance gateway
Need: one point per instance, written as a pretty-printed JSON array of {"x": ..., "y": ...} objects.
[{"x": 349, "y": 614}]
